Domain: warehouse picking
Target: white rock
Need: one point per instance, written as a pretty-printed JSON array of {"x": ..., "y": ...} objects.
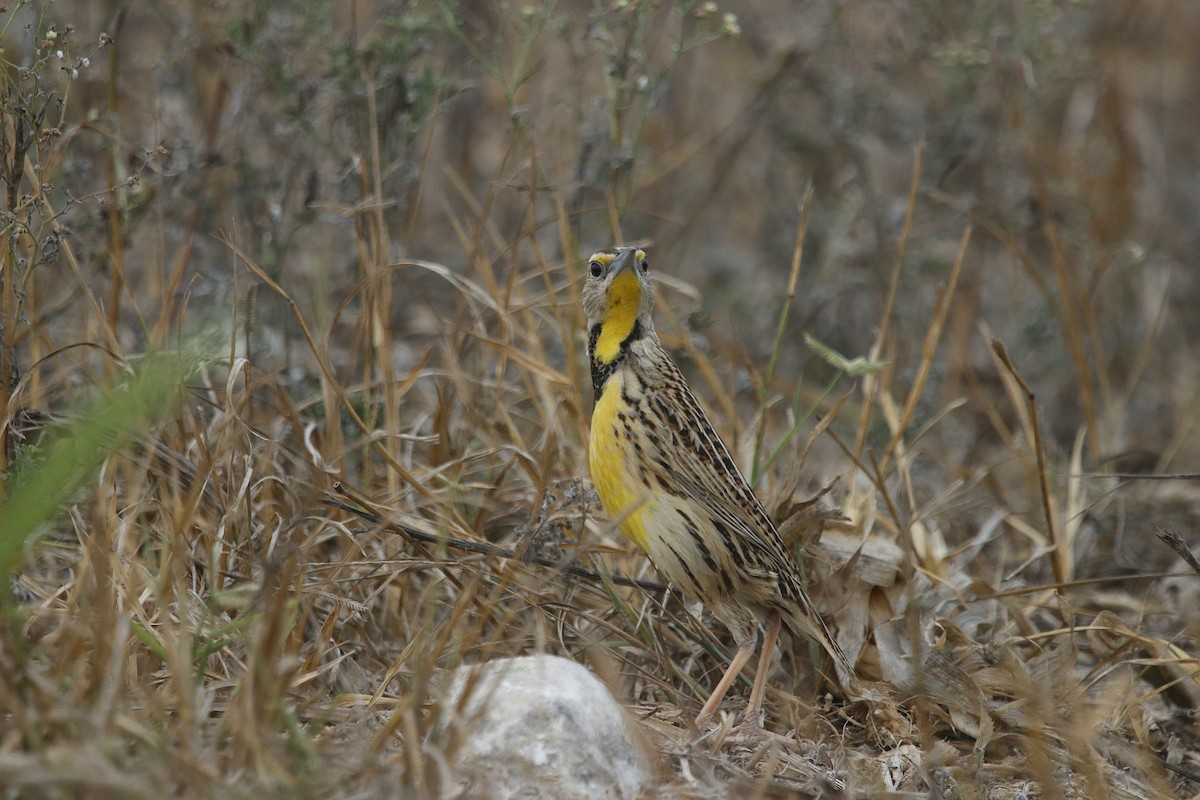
[{"x": 541, "y": 727}]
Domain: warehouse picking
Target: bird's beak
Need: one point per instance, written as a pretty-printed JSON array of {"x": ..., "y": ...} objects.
[{"x": 626, "y": 259}]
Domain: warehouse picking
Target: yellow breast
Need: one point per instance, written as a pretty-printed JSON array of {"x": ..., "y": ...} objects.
[{"x": 610, "y": 456}]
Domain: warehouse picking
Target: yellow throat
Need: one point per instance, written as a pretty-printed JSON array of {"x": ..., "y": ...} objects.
[{"x": 624, "y": 297}]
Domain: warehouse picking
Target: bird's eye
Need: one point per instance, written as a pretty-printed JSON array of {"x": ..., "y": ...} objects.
[
  {"x": 596, "y": 268},
  {"x": 645, "y": 265}
]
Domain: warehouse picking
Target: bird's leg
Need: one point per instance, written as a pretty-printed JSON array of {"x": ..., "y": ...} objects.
[
  {"x": 745, "y": 650},
  {"x": 754, "y": 710}
]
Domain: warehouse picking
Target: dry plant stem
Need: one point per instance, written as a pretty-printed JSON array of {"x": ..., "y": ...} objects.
[
  {"x": 1149, "y": 346},
  {"x": 172, "y": 285},
  {"x": 1039, "y": 588},
  {"x": 9, "y": 306},
  {"x": 567, "y": 243},
  {"x": 933, "y": 336},
  {"x": 378, "y": 292},
  {"x": 331, "y": 380},
  {"x": 1065, "y": 318},
  {"x": 894, "y": 282},
  {"x": 109, "y": 334},
  {"x": 1078, "y": 322},
  {"x": 789, "y": 297},
  {"x": 478, "y": 256},
  {"x": 116, "y": 237},
  {"x": 702, "y": 142},
  {"x": 849, "y": 454},
  {"x": 748, "y": 122},
  {"x": 1061, "y": 561},
  {"x": 870, "y": 385},
  {"x": 415, "y": 207},
  {"x": 1173, "y": 540},
  {"x": 566, "y": 328},
  {"x": 822, "y": 426},
  {"x": 412, "y": 751},
  {"x": 472, "y": 240},
  {"x": 1144, "y": 476},
  {"x": 375, "y": 515},
  {"x": 1181, "y": 435}
]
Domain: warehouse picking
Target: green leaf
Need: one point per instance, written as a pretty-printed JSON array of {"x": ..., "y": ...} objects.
[
  {"x": 850, "y": 366},
  {"x": 40, "y": 490}
]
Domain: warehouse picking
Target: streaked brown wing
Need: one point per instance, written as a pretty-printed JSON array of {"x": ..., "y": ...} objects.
[
  {"x": 711, "y": 476},
  {"x": 708, "y": 475}
]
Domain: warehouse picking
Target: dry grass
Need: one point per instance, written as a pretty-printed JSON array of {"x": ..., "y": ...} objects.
[{"x": 369, "y": 227}]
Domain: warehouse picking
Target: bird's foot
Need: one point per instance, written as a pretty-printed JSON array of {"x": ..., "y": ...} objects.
[{"x": 749, "y": 732}]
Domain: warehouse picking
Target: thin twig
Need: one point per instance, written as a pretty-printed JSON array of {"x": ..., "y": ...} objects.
[
  {"x": 1172, "y": 540},
  {"x": 780, "y": 329},
  {"x": 1061, "y": 562},
  {"x": 483, "y": 548}
]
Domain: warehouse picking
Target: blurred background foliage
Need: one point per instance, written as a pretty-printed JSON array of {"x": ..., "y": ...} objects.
[{"x": 1063, "y": 131}]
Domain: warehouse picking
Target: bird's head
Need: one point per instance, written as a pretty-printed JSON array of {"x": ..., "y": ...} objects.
[{"x": 618, "y": 293}]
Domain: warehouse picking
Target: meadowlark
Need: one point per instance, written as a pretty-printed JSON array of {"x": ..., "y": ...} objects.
[{"x": 669, "y": 481}]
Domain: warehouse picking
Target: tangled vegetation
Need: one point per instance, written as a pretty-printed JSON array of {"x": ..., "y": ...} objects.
[{"x": 295, "y": 400}]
